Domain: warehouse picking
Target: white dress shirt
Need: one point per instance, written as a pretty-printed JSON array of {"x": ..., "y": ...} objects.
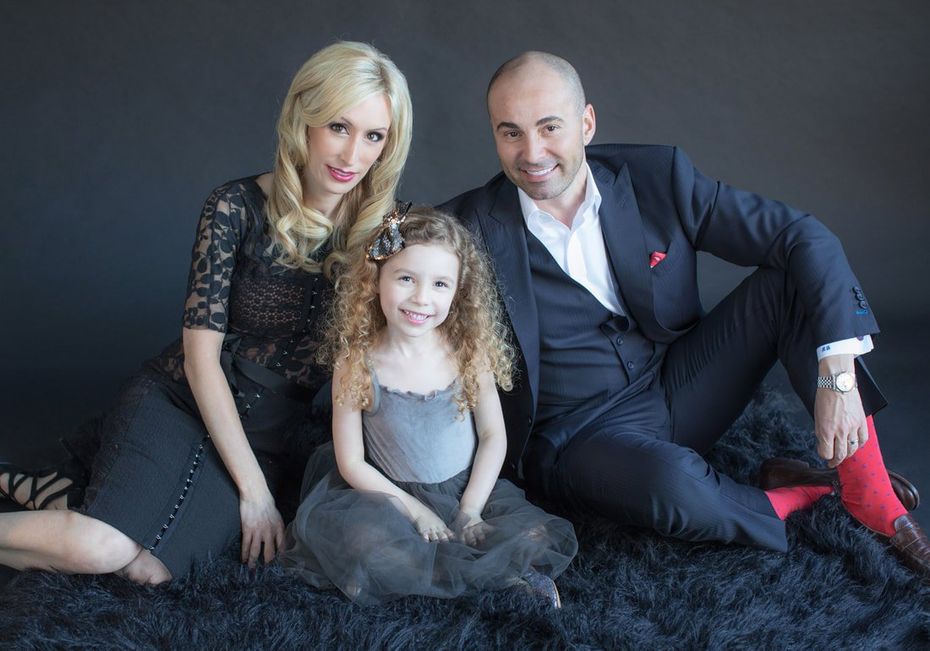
[{"x": 580, "y": 252}]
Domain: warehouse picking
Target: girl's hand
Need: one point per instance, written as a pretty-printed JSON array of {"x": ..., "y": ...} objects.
[
  {"x": 430, "y": 526},
  {"x": 262, "y": 527},
  {"x": 470, "y": 528}
]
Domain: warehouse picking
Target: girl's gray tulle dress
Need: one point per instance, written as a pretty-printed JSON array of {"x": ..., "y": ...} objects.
[{"x": 363, "y": 543}]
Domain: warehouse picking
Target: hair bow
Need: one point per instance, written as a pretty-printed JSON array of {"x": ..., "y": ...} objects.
[{"x": 388, "y": 240}]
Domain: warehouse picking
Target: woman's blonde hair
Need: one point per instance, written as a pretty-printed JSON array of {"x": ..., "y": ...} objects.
[
  {"x": 475, "y": 329},
  {"x": 332, "y": 81}
]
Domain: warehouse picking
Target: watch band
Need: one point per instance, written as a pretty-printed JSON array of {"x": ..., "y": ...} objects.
[
  {"x": 826, "y": 382},
  {"x": 831, "y": 382}
]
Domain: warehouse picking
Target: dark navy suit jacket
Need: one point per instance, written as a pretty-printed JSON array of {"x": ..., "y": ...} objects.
[{"x": 653, "y": 199}]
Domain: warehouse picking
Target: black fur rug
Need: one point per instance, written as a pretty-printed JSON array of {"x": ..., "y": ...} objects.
[{"x": 837, "y": 588}]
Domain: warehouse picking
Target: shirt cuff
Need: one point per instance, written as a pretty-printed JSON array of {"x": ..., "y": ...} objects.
[{"x": 855, "y": 346}]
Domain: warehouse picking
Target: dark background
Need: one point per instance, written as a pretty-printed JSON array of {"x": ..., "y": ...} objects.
[{"x": 118, "y": 119}]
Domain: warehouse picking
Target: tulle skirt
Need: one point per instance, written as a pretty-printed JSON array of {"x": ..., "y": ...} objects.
[{"x": 364, "y": 544}]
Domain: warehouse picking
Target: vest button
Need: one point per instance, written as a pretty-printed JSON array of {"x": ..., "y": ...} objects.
[
  {"x": 619, "y": 340},
  {"x": 629, "y": 365}
]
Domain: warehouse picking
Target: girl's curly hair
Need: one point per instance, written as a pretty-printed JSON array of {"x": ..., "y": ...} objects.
[{"x": 475, "y": 328}]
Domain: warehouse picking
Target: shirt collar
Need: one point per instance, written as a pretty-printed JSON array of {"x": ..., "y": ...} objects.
[{"x": 590, "y": 204}]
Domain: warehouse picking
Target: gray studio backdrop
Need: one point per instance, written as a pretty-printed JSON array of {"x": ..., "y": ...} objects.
[{"x": 118, "y": 119}]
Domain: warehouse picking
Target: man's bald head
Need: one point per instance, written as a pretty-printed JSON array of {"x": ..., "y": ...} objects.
[
  {"x": 530, "y": 63},
  {"x": 541, "y": 125}
]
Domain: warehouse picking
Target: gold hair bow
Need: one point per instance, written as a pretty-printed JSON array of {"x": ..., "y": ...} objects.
[{"x": 389, "y": 241}]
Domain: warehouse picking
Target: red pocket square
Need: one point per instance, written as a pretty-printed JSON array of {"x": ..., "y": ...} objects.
[{"x": 655, "y": 258}]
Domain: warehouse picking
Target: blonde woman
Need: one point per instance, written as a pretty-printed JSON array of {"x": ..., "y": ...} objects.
[{"x": 177, "y": 476}]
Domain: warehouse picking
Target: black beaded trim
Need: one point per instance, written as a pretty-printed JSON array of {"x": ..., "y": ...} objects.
[{"x": 187, "y": 485}]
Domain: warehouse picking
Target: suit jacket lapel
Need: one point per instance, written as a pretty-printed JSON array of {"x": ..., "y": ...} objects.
[
  {"x": 622, "y": 226},
  {"x": 505, "y": 236}
]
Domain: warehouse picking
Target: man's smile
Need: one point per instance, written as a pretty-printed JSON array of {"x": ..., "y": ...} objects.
[{"x": 537, "y": 173}]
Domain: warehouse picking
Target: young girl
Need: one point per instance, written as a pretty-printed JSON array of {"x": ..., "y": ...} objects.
[{"x": 414, "y": 505}]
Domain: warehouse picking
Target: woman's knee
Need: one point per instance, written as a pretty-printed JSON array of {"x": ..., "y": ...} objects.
[
  {"x": 146, "y": 569},
  {"x": 94, "y": 547}
]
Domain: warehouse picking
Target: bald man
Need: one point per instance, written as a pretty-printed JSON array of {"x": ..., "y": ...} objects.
[{"x": 626, "y": 382}]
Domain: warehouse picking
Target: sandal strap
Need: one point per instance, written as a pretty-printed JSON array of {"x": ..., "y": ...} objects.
[
  {"x": 37, "y": 490},
  {"x": 3, "y": 491},
  {"x": 16, "y": 477},
  {"x": 48, "y": 499}
]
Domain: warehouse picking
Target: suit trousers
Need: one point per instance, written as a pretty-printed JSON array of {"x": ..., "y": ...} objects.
[{"x": 636, "y": 458}]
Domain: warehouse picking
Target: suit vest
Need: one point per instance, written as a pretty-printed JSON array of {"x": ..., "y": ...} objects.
[{"x": 584, "y": 349}]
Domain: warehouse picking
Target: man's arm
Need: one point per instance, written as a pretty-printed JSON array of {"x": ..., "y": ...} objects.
[{"x": 749, "y": 230}]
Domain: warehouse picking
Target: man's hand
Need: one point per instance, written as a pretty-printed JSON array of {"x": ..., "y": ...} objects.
[
  {"x": 262, "y": 528},
  {"x": 839, "y": 420}
]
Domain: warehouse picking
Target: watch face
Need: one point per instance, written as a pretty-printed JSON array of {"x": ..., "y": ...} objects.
[{"x": 845, "y": 382}]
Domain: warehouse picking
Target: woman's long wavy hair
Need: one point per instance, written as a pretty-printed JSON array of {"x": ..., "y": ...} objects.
[
  {"x": 475, "y": 329},
  {"x": 332, "y": 81}
]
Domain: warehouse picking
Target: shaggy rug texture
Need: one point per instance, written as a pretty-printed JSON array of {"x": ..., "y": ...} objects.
[{"x": 837, "y": 588}]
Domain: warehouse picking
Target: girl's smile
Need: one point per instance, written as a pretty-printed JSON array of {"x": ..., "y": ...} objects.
[{"x": 415, "y": 317}]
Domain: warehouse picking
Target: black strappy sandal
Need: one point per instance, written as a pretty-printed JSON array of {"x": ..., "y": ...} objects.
[{"x": 41, "y": 481}]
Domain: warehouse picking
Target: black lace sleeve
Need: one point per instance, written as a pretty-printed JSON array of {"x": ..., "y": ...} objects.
[{"x": 219, "y": 234}]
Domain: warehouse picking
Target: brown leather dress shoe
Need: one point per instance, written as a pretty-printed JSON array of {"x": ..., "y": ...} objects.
[
  {"x": 911, "y": 544},
  {"x": 779, "y": 472}
]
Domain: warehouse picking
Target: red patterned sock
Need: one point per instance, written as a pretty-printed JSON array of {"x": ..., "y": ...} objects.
[
  {"x": 865, "y": 488},
  {"x": 789, "y": 499}
]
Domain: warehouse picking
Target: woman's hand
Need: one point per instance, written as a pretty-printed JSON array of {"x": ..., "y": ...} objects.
[
  {"x": 262, "y": 527},
  {"x": 261, "y": 522},
  {"x": 429, "y": 525}
]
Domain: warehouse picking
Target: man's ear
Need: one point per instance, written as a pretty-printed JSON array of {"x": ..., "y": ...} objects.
[{"x": 588, "y": 123}]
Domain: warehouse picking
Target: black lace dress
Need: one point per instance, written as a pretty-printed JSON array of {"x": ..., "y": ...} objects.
[{"x": 157, "y": 476}]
